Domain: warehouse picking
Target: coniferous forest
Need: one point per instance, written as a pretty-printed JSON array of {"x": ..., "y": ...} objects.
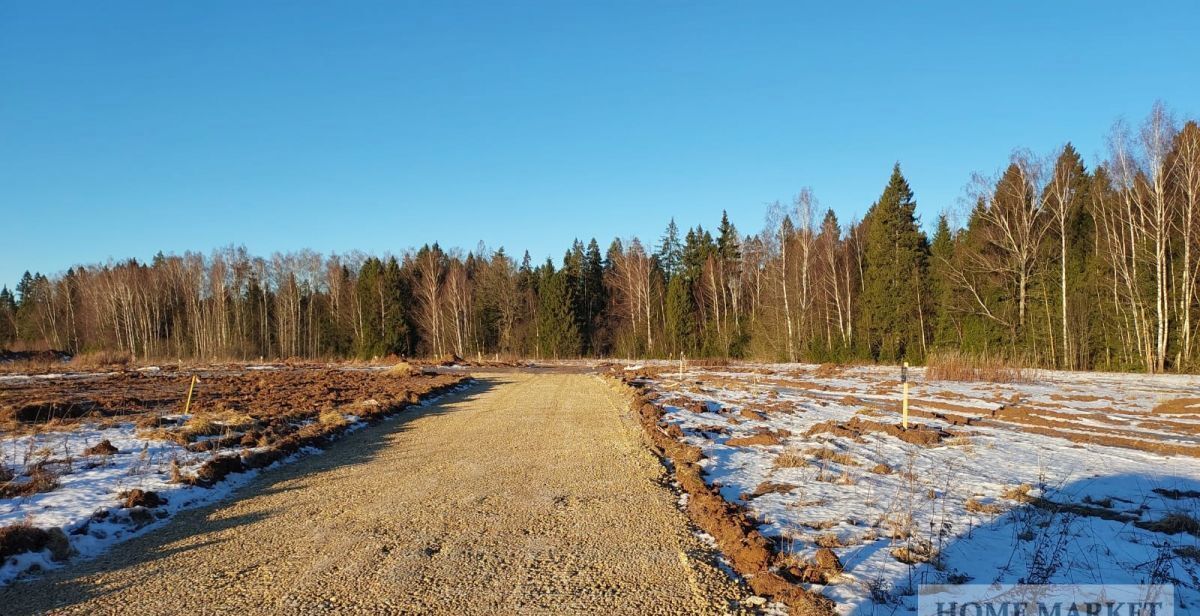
[{"x": 1052, "y": 262}]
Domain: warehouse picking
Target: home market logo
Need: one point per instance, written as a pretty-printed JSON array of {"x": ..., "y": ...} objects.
[{"x": 1045, "y": 600}]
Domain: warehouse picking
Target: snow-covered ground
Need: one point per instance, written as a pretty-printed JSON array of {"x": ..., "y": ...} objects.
[
  {"x": 1058, "y": 480},
  {"x": 86, "y": 504}
]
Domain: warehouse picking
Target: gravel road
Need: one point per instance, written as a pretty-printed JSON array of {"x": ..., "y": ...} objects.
[{"x": 530, "y": 494}]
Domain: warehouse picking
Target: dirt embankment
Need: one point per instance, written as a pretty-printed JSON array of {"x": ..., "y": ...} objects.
[{"x": 751, "y": 554}]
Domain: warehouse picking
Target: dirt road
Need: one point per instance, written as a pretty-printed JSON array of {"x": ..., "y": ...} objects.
[{"x": 529, "y": 494}]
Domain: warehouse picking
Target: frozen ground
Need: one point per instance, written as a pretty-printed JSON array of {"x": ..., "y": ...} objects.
[
  {"x": 86, "y": 504},
  {"x": 1069, "y": 478}
]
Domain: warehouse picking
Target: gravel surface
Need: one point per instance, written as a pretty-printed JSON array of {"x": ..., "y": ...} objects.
[{"x": 528, "y": 494}]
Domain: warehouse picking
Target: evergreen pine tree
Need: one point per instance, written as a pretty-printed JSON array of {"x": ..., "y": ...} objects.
[
  {"x": 728, "y": 244},
  {"x": 574, "y": 263},
  {"x": 696, "y": 248},
  {"x": 8, "y": 317},
  {"x": 24, "y": 288},
  {"x": 941, "y": 288},
  {"x": 670, "y": 251},
  {"x": 894, "y": 278},
  {"x": 394, "y": 330},
  {"x": 370, "y": 343},
  {"x": 593, "y": 286},
  {"x": 558, "y": 334},
  {"x": 680, "y": 325}
]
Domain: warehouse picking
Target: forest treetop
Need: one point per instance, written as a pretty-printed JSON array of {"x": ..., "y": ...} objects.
[{"x": 1057, "y": 265}]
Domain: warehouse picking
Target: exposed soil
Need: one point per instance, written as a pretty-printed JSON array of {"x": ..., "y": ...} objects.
[
  {"x": 856, "y": 427},
  {"x": 750, "y": 553},
  {"x": 281, "y": 393}
]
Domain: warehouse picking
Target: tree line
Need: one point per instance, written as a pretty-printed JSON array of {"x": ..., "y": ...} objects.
[{"x": 1054, "y": 264}]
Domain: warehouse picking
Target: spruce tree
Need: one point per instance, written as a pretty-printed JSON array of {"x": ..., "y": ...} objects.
[
  {"x": 680, "y": 325},
  {"x": 8, "y": 317},
  {"x": 370, "y": 343},
  {"x": 593, "y": 286},
  {"x": 558, "y": 334},
  {"x": 24, "y": 288},
  {"x": 670, "y": 251},
  {"x": 394, "y": 330},
  {"x": 696, "y": 248},
  {"x": 728, "y": 244},
  {"x": 894, "y": 278},
  {"x": 942, "y": 289}
]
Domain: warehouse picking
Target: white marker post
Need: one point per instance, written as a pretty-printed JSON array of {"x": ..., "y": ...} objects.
[{"x": 904, "y": 384}]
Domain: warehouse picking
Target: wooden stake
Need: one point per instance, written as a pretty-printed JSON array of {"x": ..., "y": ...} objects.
[
  {"x": 188, "y": 405},
  {"x": 904, "y": 404}
]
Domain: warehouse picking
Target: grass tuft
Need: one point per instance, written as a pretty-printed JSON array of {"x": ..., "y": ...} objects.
[{"x": 956, "y": 366}]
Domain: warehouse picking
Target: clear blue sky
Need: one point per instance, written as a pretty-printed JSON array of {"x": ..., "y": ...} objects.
[{"x": 128, "y": 128}]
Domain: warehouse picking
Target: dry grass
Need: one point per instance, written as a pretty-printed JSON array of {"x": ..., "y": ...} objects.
[
  {"x": 826, "y": 371},
  {"x": 1173, "y": 524},
  {"x": 96, "y": 360},
  {"x": 832, "y": 455},
  {"x": 332, "y": 419},
  {"x": 829, "y": 540},
  {"x": 403, "y": 368},
  {"x": 955, "y": 366},
  {"x": 1018, "y": 493},
  {"x": 198, "y": 426},
  {"x": 792, "y": 458},
  {"x": 708, "y": 362},
  {"x": 234, "y": 420},
  {"x": 899, "y": 526},
  {"x": 975, "y": 505},
  {"x": 915, "y": 552},
  {"x": 39, "y": 480}
]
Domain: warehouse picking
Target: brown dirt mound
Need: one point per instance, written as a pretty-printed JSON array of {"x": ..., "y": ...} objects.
[
  {"x": 771, "y": 487},
  {"x": 141, "y": 498},
  {"x": 22, "y": 538},
  {"x": 916, "y": 434},
  {"x": 217, "y": 469},
  {"x": 761, "y": 436},
  {"x": 823, "y": 566},
  {"x": 753, "y": 415},
  {"x": 103, "y": 448},
  {"x": 1180, "y": 406}
]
